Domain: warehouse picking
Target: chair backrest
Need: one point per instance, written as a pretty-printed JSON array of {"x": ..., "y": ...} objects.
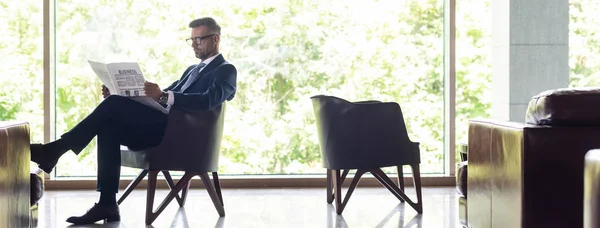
[
  {"x": 192, "y": 141},
  {"x": 365, "y": 134}
]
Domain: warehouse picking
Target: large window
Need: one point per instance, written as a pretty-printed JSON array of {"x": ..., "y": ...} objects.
[
  {"x": 21, "y": 64},
  {"x": 473, "y": 64},
  {"x": 285, "y": 52}
]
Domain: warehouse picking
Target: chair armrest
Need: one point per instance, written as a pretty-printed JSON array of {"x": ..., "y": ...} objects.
[
  {"x": 194, "y": 135},
  {"x": 182, "y": 128}
]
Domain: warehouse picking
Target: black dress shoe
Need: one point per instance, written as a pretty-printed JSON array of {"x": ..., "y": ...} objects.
[
  {"x": 96, "y": 213},
  {"x": 45, "y": 159}
]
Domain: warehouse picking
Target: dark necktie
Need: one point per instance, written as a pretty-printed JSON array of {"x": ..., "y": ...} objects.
[{"x": 192, "y": 76}]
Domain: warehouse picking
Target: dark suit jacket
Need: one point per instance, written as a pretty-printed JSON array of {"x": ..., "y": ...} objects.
[{"x": 216, "y": 83}]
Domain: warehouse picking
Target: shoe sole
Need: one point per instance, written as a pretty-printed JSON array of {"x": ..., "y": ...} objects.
[{"x": 114, "y": 218}]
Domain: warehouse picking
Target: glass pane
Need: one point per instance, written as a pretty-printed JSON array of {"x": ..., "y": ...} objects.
[
  {"x": 473, "y": 65},
  {"x": 584, "y": 43},
  {"x": 21, "y": 64},
  {"x": 285, "y": 52}
]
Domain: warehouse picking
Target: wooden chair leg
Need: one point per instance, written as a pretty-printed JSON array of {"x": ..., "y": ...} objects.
[
  {"x": 345, "y": 174},
  {"x": 337, "y": 184},
  {"x": 329, "y": 186},
  {"x": 169, "y": 179},
  {"x": 330, "y": 173},
  {"x": 184, "y": 193},
  {"x": 401, "y": 179},
  {"x": 218, "y": 186},
  {"x": 132, "y": 186},
  {"x": 212, "y": 192},
  {"x": 150, "y": 196},
  {"x": 152, "y": 215},
  {"x": 337, "y": 187},
  {"x": 417, "y": 182},
  {"x": 389, "y": 184}
]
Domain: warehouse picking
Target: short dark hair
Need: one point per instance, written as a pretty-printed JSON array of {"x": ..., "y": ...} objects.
[{"x": 209, "y": 22}]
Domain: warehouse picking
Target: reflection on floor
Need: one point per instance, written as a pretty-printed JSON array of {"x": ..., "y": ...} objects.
[{"x": 368, "y": 207}]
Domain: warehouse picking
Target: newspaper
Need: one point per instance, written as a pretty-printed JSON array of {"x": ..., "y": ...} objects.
[{"x": 125, "y": 79}]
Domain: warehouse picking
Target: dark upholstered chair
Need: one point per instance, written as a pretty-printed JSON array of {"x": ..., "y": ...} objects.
[
  {"x": 365, "y": 136},
  {"x": 191, "y": 144}
]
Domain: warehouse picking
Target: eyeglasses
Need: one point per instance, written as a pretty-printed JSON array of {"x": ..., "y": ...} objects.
[{"x": 197, "y": 39}]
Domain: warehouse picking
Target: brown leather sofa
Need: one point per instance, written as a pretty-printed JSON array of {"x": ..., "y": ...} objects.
[
  {"x": 531, "y": 174},
  {"x": 14, "y": 174}
]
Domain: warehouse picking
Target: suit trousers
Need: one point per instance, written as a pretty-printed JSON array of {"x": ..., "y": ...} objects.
[{"x": 116, "y": 121}]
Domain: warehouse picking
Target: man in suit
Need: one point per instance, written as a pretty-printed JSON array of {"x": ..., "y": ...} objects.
[{"x": 121, "y": 121}]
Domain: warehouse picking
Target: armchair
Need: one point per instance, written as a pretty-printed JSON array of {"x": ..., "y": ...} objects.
[
  {"x": 191, "y": 144},
  {"x": 365, "y": 136}
]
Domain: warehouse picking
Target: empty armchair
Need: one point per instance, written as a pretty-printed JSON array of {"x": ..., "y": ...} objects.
[
  {"x": 365, "y": 136},
  {"x": 191, "y": 144}
]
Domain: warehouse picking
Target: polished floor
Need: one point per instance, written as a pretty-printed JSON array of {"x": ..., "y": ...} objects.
[{"x": 368, "y": 207}]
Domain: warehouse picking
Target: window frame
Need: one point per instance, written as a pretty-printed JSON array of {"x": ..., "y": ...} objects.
[{"x": 49, "y": 63}]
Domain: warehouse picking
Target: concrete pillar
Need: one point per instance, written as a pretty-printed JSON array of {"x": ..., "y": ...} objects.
[{"x": 530, "y": 53}]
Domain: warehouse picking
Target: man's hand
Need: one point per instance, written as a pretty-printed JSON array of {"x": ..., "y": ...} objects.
[
  {"x": 105, "y": 92},
  {"x": 152, "y": 90}
]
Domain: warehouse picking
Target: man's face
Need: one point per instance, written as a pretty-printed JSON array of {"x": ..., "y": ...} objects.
[{"x": 204, "y": 42}]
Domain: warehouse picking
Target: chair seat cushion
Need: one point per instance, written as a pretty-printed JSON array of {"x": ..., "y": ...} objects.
[
  {"x": 134, "y": 159},
  {"x": 565, "y": 107}
]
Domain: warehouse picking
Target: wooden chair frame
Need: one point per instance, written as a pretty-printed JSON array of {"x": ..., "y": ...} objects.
[
  {"x": 212, "y": 187},
  {"x": 336, "y": 178}
]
